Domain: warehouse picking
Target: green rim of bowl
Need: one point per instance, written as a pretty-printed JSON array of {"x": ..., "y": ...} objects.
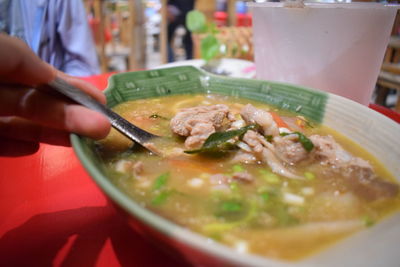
[{"x": 190, "y": 80}]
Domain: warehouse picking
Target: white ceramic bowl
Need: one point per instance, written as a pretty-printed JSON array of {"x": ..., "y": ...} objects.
[{"x": 375, "y": 246}]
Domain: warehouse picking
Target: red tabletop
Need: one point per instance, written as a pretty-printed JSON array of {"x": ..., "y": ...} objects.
[{"x": 52, "y": 213}]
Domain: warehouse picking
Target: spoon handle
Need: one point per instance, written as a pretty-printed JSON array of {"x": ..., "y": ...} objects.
[{"x": 125, "y": 127}]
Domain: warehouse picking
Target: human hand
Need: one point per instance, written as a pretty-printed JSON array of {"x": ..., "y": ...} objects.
[{"x": 29, "y": 116}]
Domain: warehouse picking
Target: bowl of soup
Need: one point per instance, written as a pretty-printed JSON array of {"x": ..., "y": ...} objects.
[{"x": 252, "y": 173}]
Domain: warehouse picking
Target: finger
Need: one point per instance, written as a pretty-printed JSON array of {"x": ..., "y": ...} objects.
[
  {"x": 15, "y": 148},
  {"x": 24, "y": 130},
  {"x": 77, "y": 82},
  {"x": 52, "y": 112},
  {"x": 86, "y": 122},
  {"x": 84, "y": 86},
  {"x": 20, "y": 65}
]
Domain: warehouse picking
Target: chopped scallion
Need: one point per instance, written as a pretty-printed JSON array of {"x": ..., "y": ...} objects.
[
  {"x": 265, "y": 196},
  {"x": 160, "y": 198},
  {"x": 270, "y": 177},
  {"x": 161, "y": 181},
  {"x": 231, "y": 206},
  {"x": 309, "y": 175},
  {"x": 222, "y": 227},
  {"x": 237, "y": 168},
  {"x": 368, "y": 221},
  {"x": 234, "y": 186}
]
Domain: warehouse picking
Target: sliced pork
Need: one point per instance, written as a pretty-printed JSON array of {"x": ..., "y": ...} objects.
[
  {"x": 289, "y": 149},
  {"x": 261, "y": 117},
  {"x": 199, "y": 122},
  {"x": 243, "y": 177},
  {"x": 264, "y": 151},
  {"x": 280, "y": 153},
  {"x": 359, "y": 173},
  {"x": 244, "y": 157}
]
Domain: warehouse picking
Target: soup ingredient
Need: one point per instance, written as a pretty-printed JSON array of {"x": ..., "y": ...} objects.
[
  {"x": 198, "y": 123},
  {"x": 161, "y": 193},
  {"x": 279, "y": 121},
  {"x": 282, "y": 191},
  {"x": 263, "y": 151},
  {"x": 260, "y": 117},
  {"x": 244, "y": 177},
  {"x": 309, "y": 175},
  {"x": 156, "y": 116},
  {"x": 304, "y": 141},
  {"x": 289, "y": 150},
  {"x": 161, "y": 181},
  {"x": 218, "y": 141},
  {"x": 138, "y": 168},
  {"x": 359, "y": 174}
]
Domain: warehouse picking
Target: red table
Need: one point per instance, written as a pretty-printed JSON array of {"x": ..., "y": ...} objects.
[{"x": 52, "y": 213}]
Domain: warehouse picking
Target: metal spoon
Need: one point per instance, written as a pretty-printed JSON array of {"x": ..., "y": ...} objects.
[{"x": 131, "y": 131}]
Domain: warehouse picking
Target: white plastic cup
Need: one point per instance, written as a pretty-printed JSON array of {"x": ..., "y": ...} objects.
[{"x": 333, "y": 47}]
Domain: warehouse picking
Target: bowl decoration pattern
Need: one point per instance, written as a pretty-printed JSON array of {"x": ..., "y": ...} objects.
[{"x": 376, "y": 133}]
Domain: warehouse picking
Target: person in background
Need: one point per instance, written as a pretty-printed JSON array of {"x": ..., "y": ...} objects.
[
  {"x": 56, "y": 30},
  {"x": 176, "y": 16},
  {"x": 31, "y": 114}
]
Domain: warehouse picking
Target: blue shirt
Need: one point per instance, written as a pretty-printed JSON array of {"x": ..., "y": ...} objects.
[{"x": 56, "y": 30}]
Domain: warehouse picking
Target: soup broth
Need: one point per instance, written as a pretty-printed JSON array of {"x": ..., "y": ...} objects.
[{"x": 246, "y": 205}]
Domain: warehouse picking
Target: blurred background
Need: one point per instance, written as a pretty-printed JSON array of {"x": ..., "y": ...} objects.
[
  {"x": 142, "y": 34},
  {"x": 132, "y": 34},
  {"x": 88, "y": 37},
  {"x": 137, "y": 34}
]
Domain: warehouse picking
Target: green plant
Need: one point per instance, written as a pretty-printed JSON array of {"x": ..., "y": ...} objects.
[{"x": 209, "y": 46}]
